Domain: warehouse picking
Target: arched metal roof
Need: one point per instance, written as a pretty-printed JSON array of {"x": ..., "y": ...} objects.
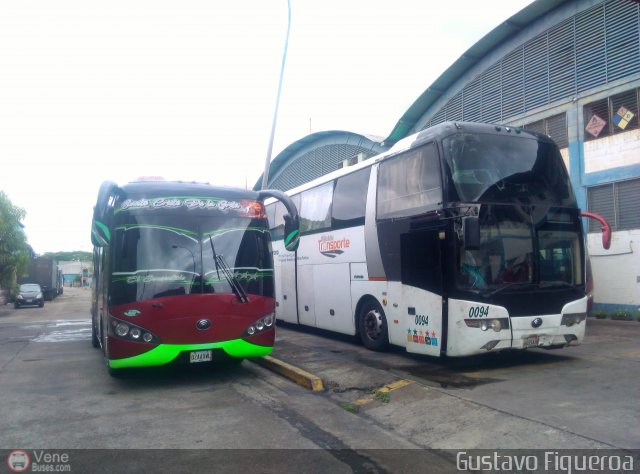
[
  {"x": 309, "y": 141},
  {"x": 470, "y": 58}
]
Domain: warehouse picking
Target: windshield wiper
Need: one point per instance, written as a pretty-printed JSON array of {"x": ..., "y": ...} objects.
[
  {"x": 215, "y": 255},
  {"x": 520, "y": 284},
  {"x": 228, "y": 274},
  {"x": 231, "y": 278}
]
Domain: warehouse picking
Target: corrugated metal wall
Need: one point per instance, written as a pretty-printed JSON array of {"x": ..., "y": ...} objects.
[
  {"x": 315, "y": 163},
  {"x": 593, "y": 48}
]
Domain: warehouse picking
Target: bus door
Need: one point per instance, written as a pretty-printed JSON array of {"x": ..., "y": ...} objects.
[
  {"x": 284, "y": 263},
  {"x": 306, "y": 299},
  {"x": 421, "y": 275}
]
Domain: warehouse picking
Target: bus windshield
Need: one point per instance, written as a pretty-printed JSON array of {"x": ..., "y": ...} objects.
[
  {"x": 505, "y": 168},
  {"x": 517, "y": 253},
  {"x": 156, "y": 256}
]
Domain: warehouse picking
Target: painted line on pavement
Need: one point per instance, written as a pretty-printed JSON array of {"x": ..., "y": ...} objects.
[{"x": 386, "y": 389}]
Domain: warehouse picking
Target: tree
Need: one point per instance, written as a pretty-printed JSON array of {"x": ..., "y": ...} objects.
[
  {"x": 14, "y": 250},
  {"x": 74, "y": 255}
]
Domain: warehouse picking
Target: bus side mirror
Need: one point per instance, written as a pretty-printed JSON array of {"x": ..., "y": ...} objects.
[
  {"x": 291, "y": 220},
  {"x": 606, "y": 228},
  {"x": 100, "y": 234},
  {"x": 291, "y": 233},
  {"x": 471, "y": 232}
]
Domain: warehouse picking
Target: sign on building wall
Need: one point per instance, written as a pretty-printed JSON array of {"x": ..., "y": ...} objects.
[
  {"x": 595, "y": 125},
  {"x": 622, "y": 117}
]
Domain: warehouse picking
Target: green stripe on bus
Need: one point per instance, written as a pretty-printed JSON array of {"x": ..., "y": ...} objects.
[
  {"x": 104, "y": 229},
  {"x": 291, "y": 239},
  {"x": 165, "y": 353}
]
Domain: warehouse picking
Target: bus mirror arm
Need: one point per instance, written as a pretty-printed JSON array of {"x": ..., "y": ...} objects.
[
  {"x": 100, "y": 234},
  {"x": 606, "y": 228},
  {"x": 471, "y": 232},
  {"x": 291, "y": 221}
]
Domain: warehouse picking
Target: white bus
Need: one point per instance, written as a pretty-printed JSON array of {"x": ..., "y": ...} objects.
[{"x": 462, "y": 239}]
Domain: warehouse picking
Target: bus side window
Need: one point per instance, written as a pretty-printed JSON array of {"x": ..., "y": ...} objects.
[
  {"x": 409, "y": 184},
  {"x": 276, "y": 221},
  {"x": 315, "y": 209},
  {"x": 271, "y": 217},
  {"x": 275, "y": 213},
  {"x": 350, "y": 199}
]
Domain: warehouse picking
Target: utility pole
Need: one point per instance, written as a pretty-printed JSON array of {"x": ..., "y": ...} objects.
[{"x": 265, "y": 175}]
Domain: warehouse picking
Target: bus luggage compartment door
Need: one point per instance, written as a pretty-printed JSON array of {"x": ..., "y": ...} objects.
[{"x": 423, "y": 317}]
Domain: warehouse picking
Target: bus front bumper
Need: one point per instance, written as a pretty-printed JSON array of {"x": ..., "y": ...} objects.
[{"x": 163, "y": 354}]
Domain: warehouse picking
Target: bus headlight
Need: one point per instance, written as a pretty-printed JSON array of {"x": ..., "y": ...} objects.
[
  {"x": 570, "y": 319},
  {"x": 264, "y": 323},
  {"x": 497, "y": 324},
  {"x": 268, "y": 320},
  {"x": 132, "y": 332},
  {"x": 122, "y": 329}
]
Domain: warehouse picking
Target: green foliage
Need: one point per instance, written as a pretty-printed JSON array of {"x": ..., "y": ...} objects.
[
  {"x": 622, "y": 315},
  {"x": 14, "y": 250},
  {"x": 601, "y": 314},
  {"x": 381, "y": 395},
  {"x": 350, "y": 407},
  {"x": 75, "y": 255}
]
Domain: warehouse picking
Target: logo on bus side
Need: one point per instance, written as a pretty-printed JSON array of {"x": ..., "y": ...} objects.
[
  {"x": 329, "y": 247},
  {"x": 418, "y": 336}
]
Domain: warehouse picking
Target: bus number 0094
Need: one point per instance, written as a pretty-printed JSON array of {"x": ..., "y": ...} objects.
[
  {"x": 422, "y": 320},
  {"x": 478, "y": 311}
]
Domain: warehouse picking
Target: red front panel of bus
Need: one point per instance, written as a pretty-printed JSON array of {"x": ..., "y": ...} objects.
[{"x": 173, "y": 320}]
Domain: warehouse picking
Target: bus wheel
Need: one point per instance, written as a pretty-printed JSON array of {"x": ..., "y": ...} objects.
[
  {"x": 115, "y": 373},
  {"x": 372, "y": 326}
]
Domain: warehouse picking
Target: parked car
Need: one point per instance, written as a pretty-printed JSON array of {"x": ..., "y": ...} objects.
[{"x": 29, "y": 294}]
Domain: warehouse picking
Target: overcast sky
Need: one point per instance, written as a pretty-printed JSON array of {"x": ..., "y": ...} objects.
[{"x": 115, "y": 90}]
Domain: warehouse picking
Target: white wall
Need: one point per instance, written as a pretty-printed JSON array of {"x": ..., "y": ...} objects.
[
  {"x": 616, "y": 272},
  {"x": 612, "y": 152}
]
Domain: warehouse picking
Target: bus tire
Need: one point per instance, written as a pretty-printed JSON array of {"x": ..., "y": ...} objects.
[
  {"x": 116, "y": 373},
  {"x": 372, "y": 326}
]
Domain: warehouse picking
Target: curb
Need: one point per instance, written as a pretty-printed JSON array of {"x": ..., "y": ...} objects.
[{"x": 299, "y": 376}]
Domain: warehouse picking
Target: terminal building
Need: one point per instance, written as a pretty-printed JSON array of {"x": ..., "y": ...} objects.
[{"x": 566, "y": 68}]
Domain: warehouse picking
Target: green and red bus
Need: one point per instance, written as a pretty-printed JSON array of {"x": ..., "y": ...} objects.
[{"x": 183, "y": 273}]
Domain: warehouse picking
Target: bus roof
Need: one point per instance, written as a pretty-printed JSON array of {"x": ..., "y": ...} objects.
[
  {"x": 438, "y": 131},
  {"x": 183, "y": 188}
]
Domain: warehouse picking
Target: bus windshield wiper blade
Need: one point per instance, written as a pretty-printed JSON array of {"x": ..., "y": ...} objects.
[
  {"x": 215, "y": 255},
  {"x": 233, "y": 281},
  {"x": 504, "y": 286}
]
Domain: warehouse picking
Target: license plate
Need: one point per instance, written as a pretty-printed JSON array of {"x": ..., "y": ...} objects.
[
  {"x": 199, "y": 356},
  {"x": 532, "y": 341},
  {"x": 29, "y": 301}
]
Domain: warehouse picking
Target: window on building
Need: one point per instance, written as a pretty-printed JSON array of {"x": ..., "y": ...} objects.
[
  {"x": 618, "y": 203},
  {"x": 554, "y": 126},
  {"x": 615, "y": 114}
]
